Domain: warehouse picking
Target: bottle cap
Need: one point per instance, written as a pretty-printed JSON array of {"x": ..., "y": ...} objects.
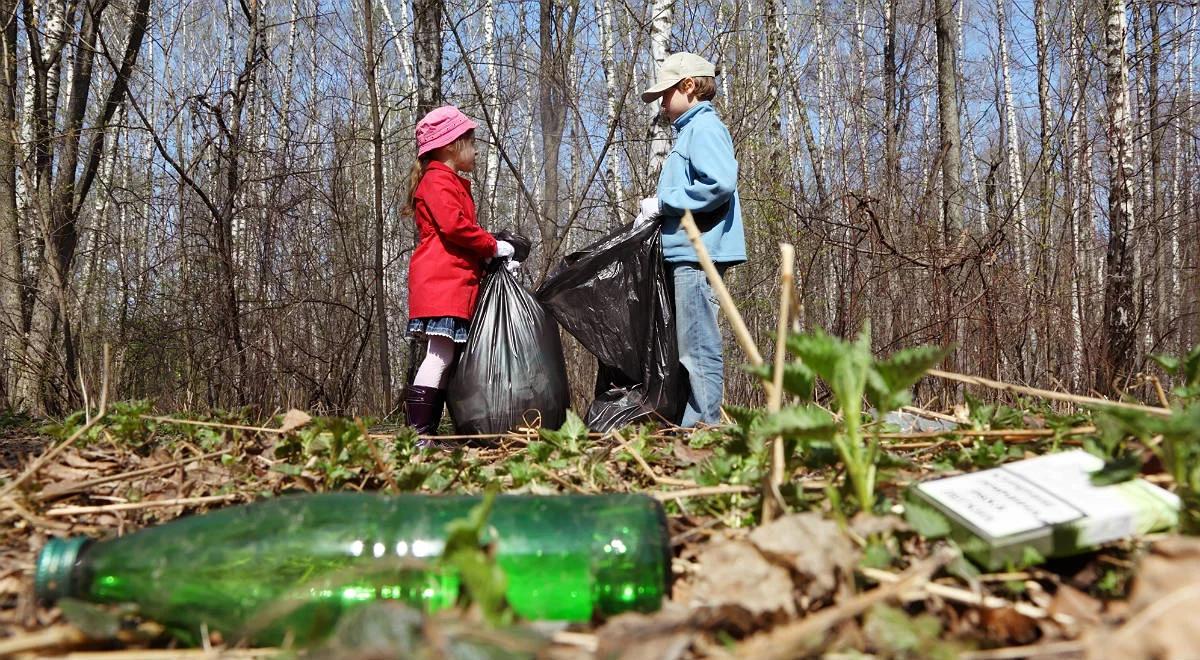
[{"x": 52, "y": 578}]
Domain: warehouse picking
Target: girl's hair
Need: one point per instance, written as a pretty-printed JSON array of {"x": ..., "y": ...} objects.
[{"x": 421, "y": 164}]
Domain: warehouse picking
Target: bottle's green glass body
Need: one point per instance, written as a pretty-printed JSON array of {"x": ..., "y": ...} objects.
[{"x": 285, "y": 569}]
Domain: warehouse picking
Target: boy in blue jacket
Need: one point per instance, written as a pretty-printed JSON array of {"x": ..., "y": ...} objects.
[{"x": 699, "y": 175}]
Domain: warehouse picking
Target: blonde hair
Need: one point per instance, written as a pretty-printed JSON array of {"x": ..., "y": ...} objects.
[{"x": 417, "y": 171}]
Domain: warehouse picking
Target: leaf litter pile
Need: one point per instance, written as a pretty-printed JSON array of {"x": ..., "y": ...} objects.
[{"x": 791, "y": 532}]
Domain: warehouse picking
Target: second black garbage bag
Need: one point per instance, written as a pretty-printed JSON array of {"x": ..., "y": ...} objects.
[
  {"x": 613, "y": 296},
  {"x": 511, "y": 371}
]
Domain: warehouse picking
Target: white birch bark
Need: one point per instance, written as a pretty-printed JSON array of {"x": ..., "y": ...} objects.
[
  {"x": 1016, "y": 177},
  {"x": 492, "y": 171},
  {"x": 612, "y": 165},
  {"x": 969, "y": 137},
  {"x": 289, "y": 75},
  {"x": 1120, "y": 342},
  {"x": 860, "y": 56},
  {"x": 1143, "y": 293},
  {"x": 402, "y": 38},
  {"x": 660, "y": 134},
  {"x": 1076, "y": 212}
]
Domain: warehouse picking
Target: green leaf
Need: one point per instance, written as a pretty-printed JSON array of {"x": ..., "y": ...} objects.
[
  {"x": 803, "y": 422},
  {"x": 892, "y": 630},
  {"x": 819, "y": 351},
  {"x": 890, "y": 379},
  {"x": 484, "y": 580},
  {"x": 1170, "y": 364},
  {"x": 925, "y": 519},
  {"x": 798, "y": 379},
  {"x": 287, "y": 468},
  {"x": 1117, "y": 470},
  {"x": 568, "y": 437},
  {"x": 95, "y": 621}
]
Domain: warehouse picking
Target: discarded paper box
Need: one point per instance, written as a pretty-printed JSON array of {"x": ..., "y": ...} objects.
[{"x": 1047, "y": 504}]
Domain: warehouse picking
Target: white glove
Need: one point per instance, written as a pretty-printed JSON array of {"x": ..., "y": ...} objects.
[
  {"x": 504, "y": 249},
  {"x": 648, "y": 209},
  {"x": 512, "y": 266}
]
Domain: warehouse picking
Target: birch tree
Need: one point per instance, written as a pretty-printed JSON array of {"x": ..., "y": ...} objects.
[
  {"x": 1119, "y": 313},
  {"x": 661, "y": 20}
]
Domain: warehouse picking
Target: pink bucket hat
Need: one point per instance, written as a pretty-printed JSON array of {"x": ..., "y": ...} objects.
[{"x": 441, "y": 127}]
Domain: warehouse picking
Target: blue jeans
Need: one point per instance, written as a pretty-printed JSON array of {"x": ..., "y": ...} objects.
[{"x": 699, "y": 340}]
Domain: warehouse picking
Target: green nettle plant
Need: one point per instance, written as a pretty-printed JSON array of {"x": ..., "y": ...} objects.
[{"x": 852, "y": 374}]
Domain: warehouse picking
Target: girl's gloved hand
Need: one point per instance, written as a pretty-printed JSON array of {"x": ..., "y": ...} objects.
[
  {"x": 512, "y": 266},
  {"x": 504, "y": 249}
]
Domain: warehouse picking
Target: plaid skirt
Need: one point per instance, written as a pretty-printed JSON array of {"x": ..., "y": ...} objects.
[{"x": 449, "y": 327}]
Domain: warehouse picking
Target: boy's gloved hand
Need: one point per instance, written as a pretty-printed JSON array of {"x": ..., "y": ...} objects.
[
  {"x": 648, "y": 209},
  {"x": 504, "y": 249},
  {"x": 512, "y": 266}
]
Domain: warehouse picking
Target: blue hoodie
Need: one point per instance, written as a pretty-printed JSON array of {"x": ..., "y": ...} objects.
[{"x": 700, "y": 174}]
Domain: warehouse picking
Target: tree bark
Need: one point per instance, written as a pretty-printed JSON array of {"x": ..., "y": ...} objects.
[
  {"x": 381, "y": 316},
  {"x": 660, "y": 133},
  {"x": 12, "y": 316},
  {"x": 1119, "y": 314},
  {"x": 427, "y": 45},
  {"x": 951, "y": 149}
]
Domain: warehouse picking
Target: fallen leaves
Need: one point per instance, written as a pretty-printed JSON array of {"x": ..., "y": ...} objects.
[{"x": 1163, "y": 606}]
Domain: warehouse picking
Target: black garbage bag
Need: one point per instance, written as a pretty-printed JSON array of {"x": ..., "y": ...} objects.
[
  {"x": 613, "y": 297},
  {"x": 511, "y": 370}
]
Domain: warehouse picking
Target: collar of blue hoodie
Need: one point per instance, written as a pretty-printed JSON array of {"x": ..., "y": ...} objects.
[{"x": 701, "y": 107}]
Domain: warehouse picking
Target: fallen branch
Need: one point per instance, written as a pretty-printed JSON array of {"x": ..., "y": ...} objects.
[
  {"x": 52, "y": 637},
  {"x": 730, "y": 489},
  {"x": 964, "y": 596},
  {"x": 1030, "y": 651},
  {"x": 85, "y": 485},
  {"x": 130, "y": 506},
  {"x": 1048, "y": 394}
]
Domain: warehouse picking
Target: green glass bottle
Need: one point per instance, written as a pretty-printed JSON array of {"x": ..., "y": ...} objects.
[{"x": 283, "y": 570}]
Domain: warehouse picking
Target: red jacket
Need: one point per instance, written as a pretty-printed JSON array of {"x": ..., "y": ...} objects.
[{"x": 444, "y": 274}]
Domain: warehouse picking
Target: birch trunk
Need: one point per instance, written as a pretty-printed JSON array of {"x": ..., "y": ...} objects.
[
  {"x": 427, "y": 46},
  {"x": 612, "y": 166},
  {"x": 492, "y": 101},
  {"x": 660, "y": 132},
  {"x": 1119, "y": 314},
  {"x": 1076, "y": 214},
  {"x": 401, "y": 36},
  {"x": 1016, "y": 177}
]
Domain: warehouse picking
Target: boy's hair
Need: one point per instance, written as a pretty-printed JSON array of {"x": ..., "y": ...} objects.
[
  {"x": 706, "y": 87},
  {"x": 421, "y": 164}
]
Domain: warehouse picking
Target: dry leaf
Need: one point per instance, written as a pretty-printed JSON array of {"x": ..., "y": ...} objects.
[
  {"x": 810, "y": 545},
  {"x": 686, "y": 455},
  {"x": 1163, "y": 606},
  {"x": 1007, "y": 626},
  {"x": 664, "y": 635},
  {"x": 1076, "y": 604},
  {"x": 293, "y": 420},
  {"x": 741, "y": 586}
]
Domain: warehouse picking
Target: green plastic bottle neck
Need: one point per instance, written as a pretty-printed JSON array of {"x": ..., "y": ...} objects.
[{"x": 52, "y": 578}]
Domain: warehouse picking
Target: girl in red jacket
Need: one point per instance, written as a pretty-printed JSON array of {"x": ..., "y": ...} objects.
[{"x": 444, "y": 273}]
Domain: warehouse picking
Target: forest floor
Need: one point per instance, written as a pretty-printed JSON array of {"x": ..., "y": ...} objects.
[{"x": 822, "y": 580}]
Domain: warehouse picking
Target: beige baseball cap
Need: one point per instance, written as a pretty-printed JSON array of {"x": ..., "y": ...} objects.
[{"x": 675, "y": 68}]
